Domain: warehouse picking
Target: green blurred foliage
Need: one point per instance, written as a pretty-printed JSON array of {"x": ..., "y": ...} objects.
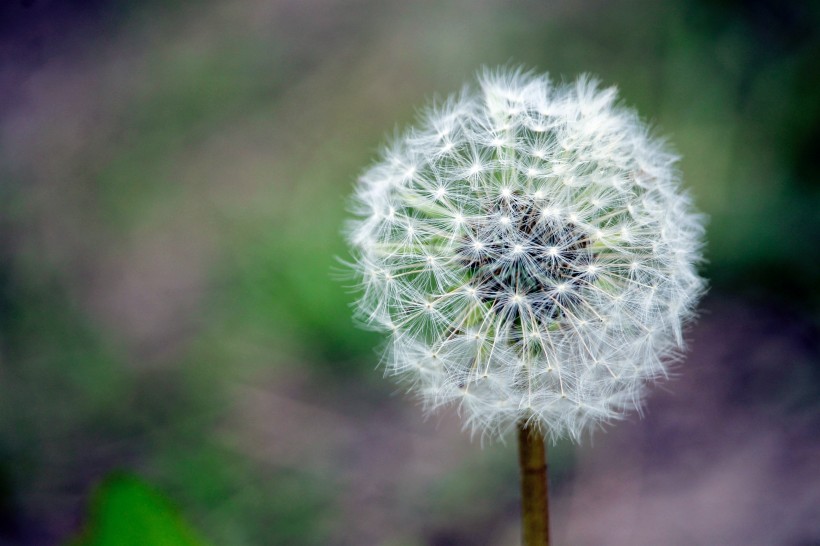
[
  {"x": 127, "y": 512},
  {"x": 246, "y": 503}
]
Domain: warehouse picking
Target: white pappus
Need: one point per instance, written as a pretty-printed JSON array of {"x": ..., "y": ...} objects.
[{"x": 529, "y": 251}]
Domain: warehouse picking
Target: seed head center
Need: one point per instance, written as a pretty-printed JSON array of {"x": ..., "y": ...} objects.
[{"x": 534, "y": 257}]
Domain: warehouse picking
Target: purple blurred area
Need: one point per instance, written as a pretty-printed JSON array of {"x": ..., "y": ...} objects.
[
  {"x": 34, "y": 33},
  {"x": 172, "y": 188},
  {"x": 726, "y": 452}
]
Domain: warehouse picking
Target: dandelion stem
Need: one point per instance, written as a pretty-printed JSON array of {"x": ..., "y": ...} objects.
[{"x": 532, "y": 458}]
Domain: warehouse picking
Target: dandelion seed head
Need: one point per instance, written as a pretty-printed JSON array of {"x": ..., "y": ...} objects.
[{"x": 542, "y": 268}]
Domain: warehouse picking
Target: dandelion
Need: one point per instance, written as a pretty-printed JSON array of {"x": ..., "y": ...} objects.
[{"x": 531, "y": 255}]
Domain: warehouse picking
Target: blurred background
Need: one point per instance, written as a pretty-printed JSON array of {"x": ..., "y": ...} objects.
[{"x": 178, "y": 366}]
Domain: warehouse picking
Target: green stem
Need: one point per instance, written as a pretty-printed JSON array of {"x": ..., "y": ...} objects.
[{"x": 532, "y": 458}]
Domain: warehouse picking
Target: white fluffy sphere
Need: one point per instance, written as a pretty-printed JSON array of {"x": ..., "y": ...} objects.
[{"x": 530, "y": 253}]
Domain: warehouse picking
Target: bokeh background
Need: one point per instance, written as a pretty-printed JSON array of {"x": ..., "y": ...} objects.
[{"x": 179, "y": 366}]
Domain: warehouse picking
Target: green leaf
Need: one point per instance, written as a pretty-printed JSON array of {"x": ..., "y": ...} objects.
[{"x": 128, "y": 512}]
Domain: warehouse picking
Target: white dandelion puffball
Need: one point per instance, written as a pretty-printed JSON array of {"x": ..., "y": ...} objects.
[{"x": 530, "y": 253}]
